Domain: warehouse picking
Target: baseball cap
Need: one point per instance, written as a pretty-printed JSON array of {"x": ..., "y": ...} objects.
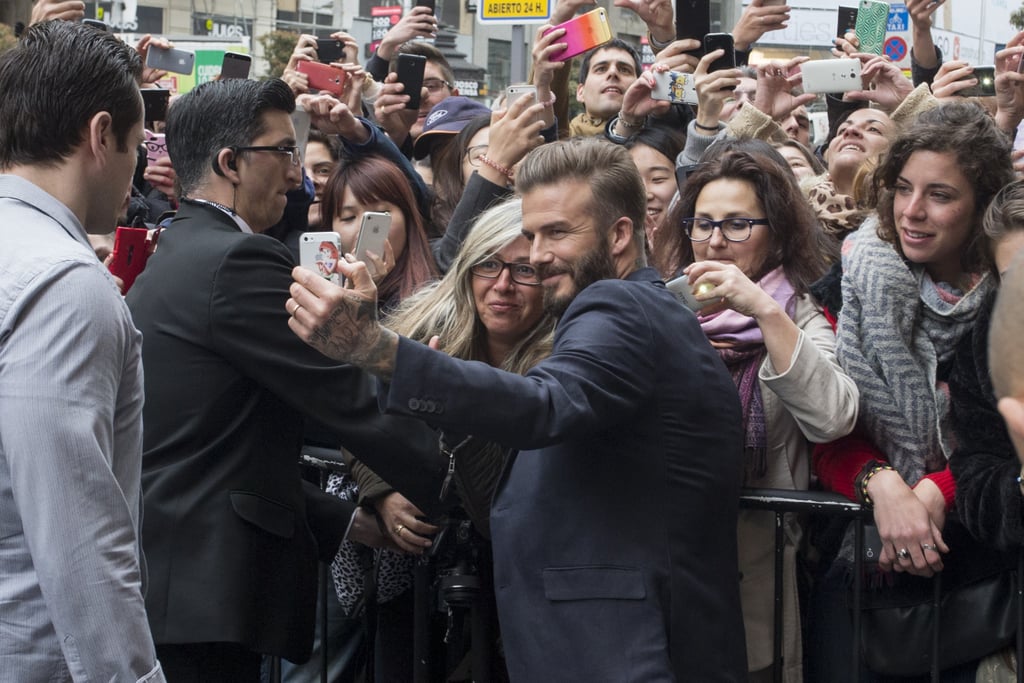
[{"x": 446, "y": 118}]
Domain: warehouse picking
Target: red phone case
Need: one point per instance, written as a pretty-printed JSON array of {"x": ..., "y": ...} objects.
[
  {"x": 129, "y": 255},
  {"x": 324, "y": 77}
]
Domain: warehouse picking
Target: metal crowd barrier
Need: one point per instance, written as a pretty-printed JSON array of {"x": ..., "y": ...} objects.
[{"x": 781, "y": 501}]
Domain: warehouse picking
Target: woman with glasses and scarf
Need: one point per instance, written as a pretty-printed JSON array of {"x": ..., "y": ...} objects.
[{"x": 745, "y": 237}]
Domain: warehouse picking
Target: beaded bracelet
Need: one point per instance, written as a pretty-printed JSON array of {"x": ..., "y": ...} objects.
[
  {"x": 484, "y": 159},
  {"x": 627, "y": 124},
  {"x": 865, "y": 498}
]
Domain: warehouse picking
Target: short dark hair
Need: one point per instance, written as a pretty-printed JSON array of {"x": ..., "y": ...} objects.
[
  {"x": 982, "y": 151},
  {"x": 58, "y": 76},
  {"x": 615, "y": 44},
  {"x": 792, "y": 222},
  {"x": 667, "y": 141},
  {"x": 215, "y": 115}
]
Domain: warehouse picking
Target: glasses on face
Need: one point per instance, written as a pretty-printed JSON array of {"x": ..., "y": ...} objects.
[
  {"x": 474, "y": 153},
  {"x": 733, "y": 229},
  {"x": 435, "y": 84},
  {"x": 279, "y": 149},
  {"x": 522, "y": 273}
]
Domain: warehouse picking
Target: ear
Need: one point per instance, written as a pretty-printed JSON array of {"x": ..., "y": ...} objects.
[
  {"x": 1012, "y": 410},
  {"x": 225, "y": 164},
  {"x": 455, "y": 92},
  {"x": 579, "y": 93},
  {"x": 620, "y": 236},
  {"x": 101, "y": 138}
]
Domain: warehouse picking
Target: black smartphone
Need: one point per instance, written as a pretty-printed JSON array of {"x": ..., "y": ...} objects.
[
  {"x": 720, "y": 41},
  {"x": 427, "y": 3},
  {"x": 410, "y": 74},
  {"x": 329, "y": 50},
  {"x": 986, "y": 86},
  {"x": 235, "y": 65},
  {"x": 155, "y": 100},
  {"x": 846, "y": 22},
  {"x": 693, "y": 20},
  {"x": 96, "y": 23}
]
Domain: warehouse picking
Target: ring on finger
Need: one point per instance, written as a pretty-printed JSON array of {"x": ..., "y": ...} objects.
[
  {"x": 398, "y": 529},
  {"x": 903, "y": 554},
  {"x": 929, "y": 546}
]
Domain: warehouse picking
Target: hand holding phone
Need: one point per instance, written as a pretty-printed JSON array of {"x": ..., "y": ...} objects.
[
  {"x": 323, "y": 77},
  {"x": 986, "y": 86},
  {"x": 410, "y": 74},
  {"x": 674, "y": 86},
  {"x": 171, "y": 59},
  {"x": 320, "y": 253},
  {"x": 516, "y": 92},
  {"x": 583, "y": 33},
  {"x": 131, "y": 251},
  {"x": 680, "y": 287},
  {"x": 156, "y": 146},
  {"x": 831, "y": 75},
  {"x": 721, "y": 41},
  {"x": 329, "y": 50}
]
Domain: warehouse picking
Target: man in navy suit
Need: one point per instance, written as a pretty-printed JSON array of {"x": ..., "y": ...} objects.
[{"x": 614, "y": 528}]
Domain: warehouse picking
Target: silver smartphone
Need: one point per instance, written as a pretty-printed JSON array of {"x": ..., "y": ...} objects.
[
  {"x": 171, "y": 59},
  {"x": 674, "y": 86},
  {"x": 831, "y": 75},
  {"x": 514, "y": 92},
  {"x": 373, "y": 232},
  {"x": 320, "y": 252},
  {"x": 680, "y": 288}
]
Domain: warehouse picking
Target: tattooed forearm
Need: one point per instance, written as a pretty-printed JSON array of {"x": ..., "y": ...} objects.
[{"x": 352, "y": 334}]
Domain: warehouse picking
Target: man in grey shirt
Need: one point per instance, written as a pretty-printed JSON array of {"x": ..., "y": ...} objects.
[{"x": 71, "y": 573}]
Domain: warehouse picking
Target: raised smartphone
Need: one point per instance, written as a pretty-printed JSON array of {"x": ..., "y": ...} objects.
[
  {"x": 171, "y": 59},
  {"x": 831, "y": 75},
  {"x": 323, "y": 77},
  {"x": 693, "y": 20},
  {"x": 154, "y": 102},
  {"x": 130, "y": 254},
  {"x": 330, "y": 50},
  {"x": 235, "y": 65},
  {"x": 872, "y": 21},
  {"x": 320, "y": 252},
  {"x": 986, "y": 86},
  {"x": 583, "y": 33},
  {"x": 373, "y": 232},
  {"x": 674, "y": 86},
  {"x": 515, "y": 92},
  {"x": 410, "y": 74},
  {"x": 680, "y": 288},
  {"x": 427, "y": 3},
  {"x": 156, "y": 146},
  {"x": 846, "y": 21},
  {"x": 721, "y": 41}
]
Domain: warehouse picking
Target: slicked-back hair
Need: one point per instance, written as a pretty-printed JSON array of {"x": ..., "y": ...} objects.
[
  {"x": 982, "y": 153},
  {"x": 793, "y": 225},
  {"x": 58, "y": 76},
  {"x": 616, "y": 187},
  {"x": 216, "y": 115},
  {"x": 615, "y": 44},
  {"x": 1005, "y": 215}
]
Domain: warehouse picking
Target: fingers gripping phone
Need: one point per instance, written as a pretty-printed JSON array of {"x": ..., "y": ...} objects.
[
  {"x": 320, "y": 252},
  {"x": 674, "y": 86},
  {"x": 324, "y": 77},
  {"x": 410, "y": 74},
  {"x": 130, "y": 254},
  {"x": 680, "y": 288},
  {"x": 373, "y": 232},
  {"x": 721, "y": 41},
  {"x": 515, "y": 92},
  {"x": 986, "y": 86},
  {"x": 831, "y": 75},
  {"x": 583, "y": 33}
]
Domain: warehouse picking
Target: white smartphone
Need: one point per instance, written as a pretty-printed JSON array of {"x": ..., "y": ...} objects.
[
  {"x": 831, "y": 75},
  {"x": 373, "y": 231},
  {"x": 674, "y": 86},
  {"x": 171, "y": 59},
  {"x": 320, "y": 252},
  {"x": 514, "y": 92},
  {"x": 680, "y": 288}
]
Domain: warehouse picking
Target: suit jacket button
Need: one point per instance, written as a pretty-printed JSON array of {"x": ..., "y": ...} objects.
[
  {"x": 430, "y": 406},
  {"x": 414, "y": 404}
]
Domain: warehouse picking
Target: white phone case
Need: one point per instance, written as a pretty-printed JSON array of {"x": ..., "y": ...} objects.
[
  {"x": 831, "y": 75},
  {"x": 674, "y": 86},
  {"x": 373, "y": 231},
  {"x": 320, "y": 253},
  {"x": 680, "y": 288}
]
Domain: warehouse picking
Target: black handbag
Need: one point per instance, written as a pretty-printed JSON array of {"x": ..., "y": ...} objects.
[{"x": 976, "y": 614}]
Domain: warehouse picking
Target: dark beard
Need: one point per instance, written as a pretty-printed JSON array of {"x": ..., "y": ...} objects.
[{"x": 594, "y": 265}]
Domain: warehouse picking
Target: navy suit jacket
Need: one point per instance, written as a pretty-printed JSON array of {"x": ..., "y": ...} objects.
[
  {"x": 231, "y": 536},
  {"x": 614, "y": 528}
]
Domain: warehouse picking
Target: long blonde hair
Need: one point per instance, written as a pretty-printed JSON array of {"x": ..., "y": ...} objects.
[{"x": 447, "y": 308}]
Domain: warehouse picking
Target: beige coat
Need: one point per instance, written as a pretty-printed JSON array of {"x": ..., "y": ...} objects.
[{"x": 813, "y": 402}]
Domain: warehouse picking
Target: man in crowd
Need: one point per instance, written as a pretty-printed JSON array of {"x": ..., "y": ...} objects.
[
  {"x": 71, "y": 605},
  {"x": 1006, "y": 355},
  {"x": 605, "y": 74},
  {"x": 614, "y": 528},
  {"x": 231, "y": 533}
]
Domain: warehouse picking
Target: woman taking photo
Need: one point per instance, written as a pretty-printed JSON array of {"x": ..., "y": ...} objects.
[{"x": 746, "y": 241}]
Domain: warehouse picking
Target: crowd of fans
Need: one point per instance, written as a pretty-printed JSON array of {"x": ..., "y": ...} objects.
[{"x": 540, "y": 449}]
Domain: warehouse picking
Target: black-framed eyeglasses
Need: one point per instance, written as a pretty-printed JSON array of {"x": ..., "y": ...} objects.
[
  {"x": 522, "y": 273},
  {"x": 435, "y": 84},
  {"x": 733, "y": 229},
  {"x": 474, "y": 153},
  {"x": 296, "y": 158}
]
